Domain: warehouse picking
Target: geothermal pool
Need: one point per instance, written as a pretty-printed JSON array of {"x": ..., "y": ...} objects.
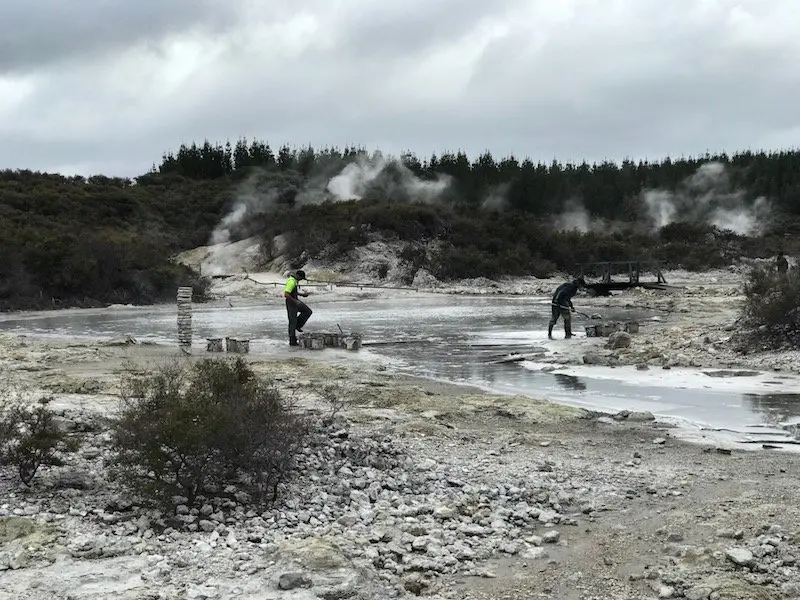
[{"x": 458, "y": 339}]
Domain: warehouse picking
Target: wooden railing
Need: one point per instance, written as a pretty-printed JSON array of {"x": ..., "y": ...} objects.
[{"x": 633, "y": 269}]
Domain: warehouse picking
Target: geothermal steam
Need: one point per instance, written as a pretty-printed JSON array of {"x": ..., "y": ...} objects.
[
  {"x": 375, "y": 176},
  {"x": 384, "y": 178},
  {"x": 574, "y": 218},
  {"x": 707, "y": 196},
  {"x": 250, "y": 200}
]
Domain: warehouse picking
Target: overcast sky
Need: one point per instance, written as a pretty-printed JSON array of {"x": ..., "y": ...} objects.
[{"x": 107, "y": 86}]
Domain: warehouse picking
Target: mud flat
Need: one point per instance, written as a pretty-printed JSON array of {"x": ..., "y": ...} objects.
[{"x": 437, "y": 490}]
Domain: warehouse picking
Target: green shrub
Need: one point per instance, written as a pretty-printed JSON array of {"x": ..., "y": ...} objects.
[
  {"x": 191, "y": 430},
  {"x": 771, "y": 311},
  {"x": 30, "y": 438}
]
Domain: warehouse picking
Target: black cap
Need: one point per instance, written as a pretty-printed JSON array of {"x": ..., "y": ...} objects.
[{"x": 300, "y": 274}]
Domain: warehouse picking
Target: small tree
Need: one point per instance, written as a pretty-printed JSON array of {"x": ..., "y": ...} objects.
[
  {"x": 30, "y": 438},
  {"x": 191, "y": 430},
  {"x": 771, "y": 310}
]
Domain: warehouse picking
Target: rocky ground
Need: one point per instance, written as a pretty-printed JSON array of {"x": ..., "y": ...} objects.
[{"x": 408, "y": 487}]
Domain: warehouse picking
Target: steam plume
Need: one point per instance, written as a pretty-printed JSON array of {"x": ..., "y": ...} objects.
[
  {"x": 385, "y": 178},
  {"x": 707, "y": 196},
  {"x": 575, "y": 217},
  {"x": 376, "y": 176},
  {"x": 496, "y": 199},
  {"x": 251, "y": 199}
]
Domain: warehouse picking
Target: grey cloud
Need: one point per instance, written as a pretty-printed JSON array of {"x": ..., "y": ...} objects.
[
  {"x": 595, "y": 80},
  {"x": 34, "y": 34},
  {"x": 391, "y": 30}
]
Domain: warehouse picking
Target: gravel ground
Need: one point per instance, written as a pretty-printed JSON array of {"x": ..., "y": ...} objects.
[{"x": 414, "y": 488}]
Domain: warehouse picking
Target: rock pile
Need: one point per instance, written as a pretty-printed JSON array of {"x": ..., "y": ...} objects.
[
  {"x": 362, "y": 511},
  {"x": 735, "y": 566}
]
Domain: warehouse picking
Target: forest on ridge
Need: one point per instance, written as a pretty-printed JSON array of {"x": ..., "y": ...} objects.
[{"x": 75, "y": 241}]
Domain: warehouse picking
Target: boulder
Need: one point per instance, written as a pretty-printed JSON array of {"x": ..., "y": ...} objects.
[{"x": 619, "y": 339}]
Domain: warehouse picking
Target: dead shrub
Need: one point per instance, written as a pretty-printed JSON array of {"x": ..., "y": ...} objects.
[{"x": 193, "y": 430}]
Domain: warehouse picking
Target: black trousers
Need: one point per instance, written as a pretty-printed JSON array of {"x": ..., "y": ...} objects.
[
  {"x": 564, "y": 313},
  {"x": 298, "y": 314}
]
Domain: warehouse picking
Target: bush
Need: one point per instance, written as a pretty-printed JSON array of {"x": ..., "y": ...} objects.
[
  {"x": 771, "y": 311},
  {"x": 30, "y": 438},
  {"x": 191, "y": 431}
]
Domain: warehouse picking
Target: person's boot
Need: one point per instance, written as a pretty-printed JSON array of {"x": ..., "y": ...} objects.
[
  {"x": 550, "y": 332},
  {"x": 567, "y": 332}
]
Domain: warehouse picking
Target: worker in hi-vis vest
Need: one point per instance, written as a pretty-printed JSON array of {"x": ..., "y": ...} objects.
[{"x": 296, "y": 309}]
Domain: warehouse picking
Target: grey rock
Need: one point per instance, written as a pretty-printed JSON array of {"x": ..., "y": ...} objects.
[
  {"x": 201, "y": 592},
  {"x": 444, "y": 512},
  {"x": 548, "y": 516},
  {"x": 347, "y": 520},
  {"x": 415, "y": 583},
  {"x": 471, "y": 529},
  {"x": 619, "y": 339},
  {"x": 419, "y": 544},
  {"x": 664, "y": 591},
  {"x": 551, "y": 537},
  {"x": 207, "y": 526},
  {"x": 426, "y": 464},
  {"x": 740, "y": 556},
  {"x": 293, "y": 580},
  {"x": 535, "y": 553},
  {"x": 732, "y": 534},
  {"x": 509, "y": 548},
  {"x": 698, "y": 593},
  {"x": 73, "y": 478}
]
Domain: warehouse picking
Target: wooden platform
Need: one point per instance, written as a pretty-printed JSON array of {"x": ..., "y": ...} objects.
[{"x": 628, "y": 273}]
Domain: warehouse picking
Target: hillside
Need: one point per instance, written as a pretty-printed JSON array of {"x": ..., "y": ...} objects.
[{"x": 71, "y": 241}]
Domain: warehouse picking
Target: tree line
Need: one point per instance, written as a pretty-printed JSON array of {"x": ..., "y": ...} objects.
[
  {"x": 606, "y": 189},
  {"x": 75, "y": 241}
]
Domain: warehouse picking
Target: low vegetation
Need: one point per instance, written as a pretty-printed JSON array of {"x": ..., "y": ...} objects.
[
  {"x": 771, "y": 313},
  {"x": 30, "y": 438},
  {"x": 193, "y": 430},
  {"x": 75, "y": 241}
]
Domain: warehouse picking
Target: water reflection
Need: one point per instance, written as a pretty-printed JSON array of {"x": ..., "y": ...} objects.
[
  {"x": 570, "y": 382},
  {"x": 452, "y": 338},
  {"x": 774, "y": 407}
]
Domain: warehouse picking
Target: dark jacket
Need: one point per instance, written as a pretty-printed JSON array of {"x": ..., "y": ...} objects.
[
  {"x": 782, "y": 264},
  {"x": 564, "y": 293}
]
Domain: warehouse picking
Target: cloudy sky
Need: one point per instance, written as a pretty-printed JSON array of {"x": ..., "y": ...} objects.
[{"x": 106, "y": 86}]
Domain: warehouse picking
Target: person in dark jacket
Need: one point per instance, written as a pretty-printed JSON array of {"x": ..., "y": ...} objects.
[
  {"x": 562, "y": 306},
  {"x": 781, "y": 264},
  {"x": 297, "y": 310}
]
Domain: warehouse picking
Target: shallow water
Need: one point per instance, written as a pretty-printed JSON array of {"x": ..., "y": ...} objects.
[{"x": 459, "y": 338}]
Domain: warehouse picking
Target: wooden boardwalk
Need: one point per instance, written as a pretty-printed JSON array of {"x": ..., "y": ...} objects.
[{"x": 628, "y": 273}]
